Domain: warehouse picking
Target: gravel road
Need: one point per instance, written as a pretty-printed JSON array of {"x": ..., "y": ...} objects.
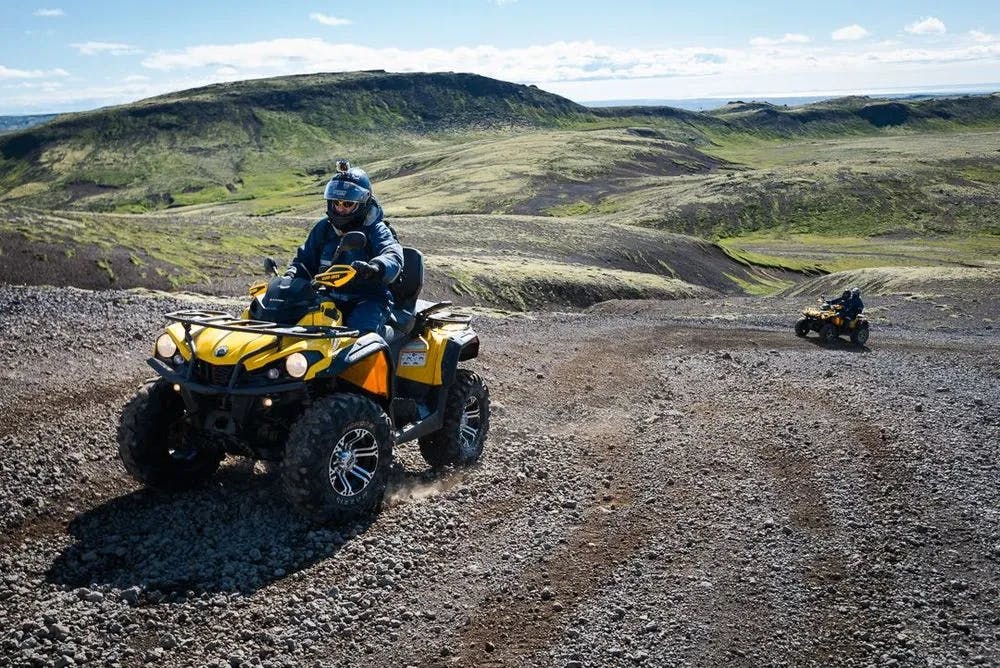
[{"x": 665, "y": 483}]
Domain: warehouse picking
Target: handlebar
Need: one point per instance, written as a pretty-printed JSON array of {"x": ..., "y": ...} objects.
[{"x": 336, "y": 276}]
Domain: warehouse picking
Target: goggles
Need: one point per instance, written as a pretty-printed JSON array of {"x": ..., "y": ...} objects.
[{"x": 343, "y": 206}]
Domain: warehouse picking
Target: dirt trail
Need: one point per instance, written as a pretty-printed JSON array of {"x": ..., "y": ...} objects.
[{"x": 658, "y": 488}]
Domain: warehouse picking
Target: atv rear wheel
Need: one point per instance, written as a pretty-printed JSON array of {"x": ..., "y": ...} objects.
[
  {"x": 860, "y": 334},
  {"x": 460, "y": 440},
  {"x": 802, "y": 327},
  {"x": 827, "y": 333},
  {"x": 337, "y": 459},
  {"x": 157, "y": 446}
]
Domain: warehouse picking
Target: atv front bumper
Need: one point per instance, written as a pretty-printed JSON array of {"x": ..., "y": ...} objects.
[{"x": 181, "y": 379}]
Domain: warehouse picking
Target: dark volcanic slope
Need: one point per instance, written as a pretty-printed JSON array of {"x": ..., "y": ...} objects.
[{"x": 663, "y": 487}]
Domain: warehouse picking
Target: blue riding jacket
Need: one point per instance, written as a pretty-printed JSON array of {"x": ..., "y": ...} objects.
[{"x": 317, "y": 254}]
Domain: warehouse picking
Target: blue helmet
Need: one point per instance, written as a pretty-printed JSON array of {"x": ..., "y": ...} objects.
[{"x": 348, "y": 196}]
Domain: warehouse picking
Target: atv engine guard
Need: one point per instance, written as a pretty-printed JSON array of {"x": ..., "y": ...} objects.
[{"x": 200, "y": 388}]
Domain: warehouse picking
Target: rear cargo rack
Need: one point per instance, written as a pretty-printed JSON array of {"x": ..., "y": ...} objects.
[
  {"x": 223, "y": 320},
  {"x": 450, "y": 318},
  {"x": 438, "y": 312}
]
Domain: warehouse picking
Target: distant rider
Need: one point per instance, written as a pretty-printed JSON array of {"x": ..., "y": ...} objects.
[
  {"x": 854, "y": 306},
  {"x": 850, "y": 303},
  {"x": 350, "y": 206}
]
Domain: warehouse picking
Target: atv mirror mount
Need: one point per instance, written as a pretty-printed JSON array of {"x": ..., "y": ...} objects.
[
  {"x": 270, "y": 266},
  {"x": 350, "y": 241}
]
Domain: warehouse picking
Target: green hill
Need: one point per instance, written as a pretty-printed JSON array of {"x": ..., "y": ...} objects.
[
  {"x": 271, "y": 142},
  {"x": 838, "y": 185},
  {"x": 245, "y": 139},
  {"x": 860, "y": 115}
]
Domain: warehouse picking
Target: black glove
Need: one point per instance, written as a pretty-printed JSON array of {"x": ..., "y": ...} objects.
[{"x": 366, "y": 270}]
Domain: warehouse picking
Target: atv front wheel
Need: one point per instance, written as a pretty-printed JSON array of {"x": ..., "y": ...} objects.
[
  {"x": 802, "y": 327},
  {"x": 337, "y": 459},
  {"x": 460, "y": 440},
  {"x": 156, "y": 445},
  {"x": 827, "y": 333},
  {"x": 860, "y": 334}
]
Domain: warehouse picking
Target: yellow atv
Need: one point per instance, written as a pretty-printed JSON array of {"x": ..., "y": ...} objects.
[
  {"x": 286, "y": 381},
  {"x": 828, "y": 321}
]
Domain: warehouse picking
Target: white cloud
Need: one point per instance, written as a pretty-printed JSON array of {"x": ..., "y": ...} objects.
[
  {"x": 328, "y": 20},
  {"x": 849, "y": 33},
  {"x": 49, "y": 13},
  {"x": 110, "y": 48},
  {"x": 787, "y": 38},
  {"x": 927, "y": 26},
  {"x": 561, "y": 61},
  {"x": 556, "y": 61},
  {"x": 135, "y": 77},
  {"x": 583, "y": 70},
  {"x": 503, "y": 3},
  {"x": 9, "y": 73},
  {"x": 979, "y": 36}
]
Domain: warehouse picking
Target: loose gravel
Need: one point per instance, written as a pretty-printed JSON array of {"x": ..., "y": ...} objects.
[{"x": 665, "y": 483}]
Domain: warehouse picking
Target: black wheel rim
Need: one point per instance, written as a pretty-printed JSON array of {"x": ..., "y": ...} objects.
[
  {"x": 470, "y": 425},
  {"x": 353, "y": 462}
]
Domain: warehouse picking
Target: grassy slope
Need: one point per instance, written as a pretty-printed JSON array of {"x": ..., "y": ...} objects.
[
  {"x": 802, "y": 188},
  {"x": 248, "y": 139},
  {"x": 920, "y": 281},
  {"x": 499, "y": 260}
]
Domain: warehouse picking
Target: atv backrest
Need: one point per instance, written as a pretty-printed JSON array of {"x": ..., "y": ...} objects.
[{"x": 406, "y": 288}]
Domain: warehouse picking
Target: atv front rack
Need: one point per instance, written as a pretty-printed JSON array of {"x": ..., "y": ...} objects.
[{"x": 222, "y": 320}]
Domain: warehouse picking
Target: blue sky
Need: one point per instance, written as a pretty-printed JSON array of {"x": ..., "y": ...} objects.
[{"x": 69, "y": 55}]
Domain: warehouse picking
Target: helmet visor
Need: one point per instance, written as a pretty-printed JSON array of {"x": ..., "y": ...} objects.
[{"x": 345, "y": 190}]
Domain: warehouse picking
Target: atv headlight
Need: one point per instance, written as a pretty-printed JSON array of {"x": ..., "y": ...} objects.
[
  {"x": 165, "y": 346},
  {"x": 296, "y": 365}
]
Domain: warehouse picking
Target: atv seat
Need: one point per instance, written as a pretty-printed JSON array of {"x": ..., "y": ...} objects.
[{"x": 404, "y": 291}]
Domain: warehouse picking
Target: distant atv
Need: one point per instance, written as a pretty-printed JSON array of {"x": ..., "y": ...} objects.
[
  {"x": 286, "y": 381},
  {"x": 830, "y": 324}
]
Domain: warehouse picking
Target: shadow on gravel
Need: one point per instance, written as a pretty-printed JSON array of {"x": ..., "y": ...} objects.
[
  {"x": 838, "y": 344},
  {"x": 237, "y": 536}
]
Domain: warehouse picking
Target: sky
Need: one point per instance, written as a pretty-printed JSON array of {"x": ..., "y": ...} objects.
[{"x": 70, "y": 55}]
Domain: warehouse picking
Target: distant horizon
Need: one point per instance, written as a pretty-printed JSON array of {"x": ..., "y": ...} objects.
[
  {"x": 795, "y": 99},
  {"x": 693, "y": 103}
]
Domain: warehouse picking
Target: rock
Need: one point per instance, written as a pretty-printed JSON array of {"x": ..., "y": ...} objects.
[
  {"x": 58, "y": 631},
  {"x": 131, "y": 595}
]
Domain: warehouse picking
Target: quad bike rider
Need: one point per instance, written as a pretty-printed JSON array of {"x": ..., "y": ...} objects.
[
  {"x": 836, "y": 317},
  {"x": 288, "y": 380}
]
